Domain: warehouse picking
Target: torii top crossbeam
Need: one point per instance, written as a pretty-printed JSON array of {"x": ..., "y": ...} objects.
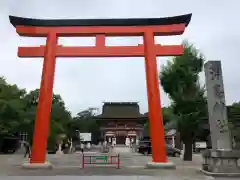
[
  {"x": 101, "y": 28},
  {"x": 20, "y": 21}
]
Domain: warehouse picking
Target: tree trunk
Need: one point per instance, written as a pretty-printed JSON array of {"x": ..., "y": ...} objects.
[
  {"x": 209, "y": 142},
  {"x": 188, "y": 150},
  {"x": 194, "y": 145},
  {"x": 178, "y": 141}
]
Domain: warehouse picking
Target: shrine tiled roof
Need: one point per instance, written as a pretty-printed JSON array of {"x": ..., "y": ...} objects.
[
  {"x": 120, "y": 117},
  {"x": 121, "y": 110}
]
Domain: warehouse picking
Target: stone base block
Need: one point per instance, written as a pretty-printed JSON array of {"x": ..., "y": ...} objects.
[
  {"x": 221, "y": 162},
  {"x": 28, "y": 165},
  {"x": 166, "y": 165},
  {"x": 220, "y": 174}
]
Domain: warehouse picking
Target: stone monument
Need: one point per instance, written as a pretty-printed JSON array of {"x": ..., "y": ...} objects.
[{"x": 221, "y": 159}]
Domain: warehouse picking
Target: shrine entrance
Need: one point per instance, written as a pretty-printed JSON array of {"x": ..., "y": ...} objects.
[
  {"x": 121, "y": 139},
  {"x": 121, "y": 121},
  {"x": 100, "y": 28}
]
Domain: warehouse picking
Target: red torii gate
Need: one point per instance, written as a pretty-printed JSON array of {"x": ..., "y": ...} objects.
[{"x": 100, "y": 28}]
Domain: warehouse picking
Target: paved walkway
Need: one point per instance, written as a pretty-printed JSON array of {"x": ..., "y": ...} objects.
[{"x": 132, "y": 164}]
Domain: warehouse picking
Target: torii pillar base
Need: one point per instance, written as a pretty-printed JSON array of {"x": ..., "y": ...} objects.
[
  {"x": 46, "y": 165},
  {"x": 165, "y": 165}
]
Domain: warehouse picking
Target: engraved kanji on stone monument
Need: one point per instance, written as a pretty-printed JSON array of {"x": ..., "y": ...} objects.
[{"x": 220, "y": 134}]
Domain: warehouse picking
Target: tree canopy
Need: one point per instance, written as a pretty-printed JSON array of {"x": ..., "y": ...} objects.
[
  {"x": 180, "y": 80},
  {"x": 18, "y": 111}
]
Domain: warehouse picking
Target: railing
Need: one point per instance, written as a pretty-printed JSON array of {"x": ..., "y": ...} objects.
[
  {"x": 121, "y": 128},
  {"x": 101, "y": 160}
]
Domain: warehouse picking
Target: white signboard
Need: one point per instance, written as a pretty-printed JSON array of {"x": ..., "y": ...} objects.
[
  {"x": 86, "y": 136},
  {"x": 201, "y": 145}
]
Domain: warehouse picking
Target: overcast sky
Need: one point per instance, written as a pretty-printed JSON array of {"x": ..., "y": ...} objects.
[{"x": 83, "y": 83}]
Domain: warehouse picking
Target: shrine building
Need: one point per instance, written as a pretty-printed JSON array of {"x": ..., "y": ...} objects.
[{"x": 121, "y": 120}]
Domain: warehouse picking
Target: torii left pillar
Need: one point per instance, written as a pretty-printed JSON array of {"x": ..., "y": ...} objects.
[
  {"x": 45, "y": 100},
  {"x": 38, "y": 155}
]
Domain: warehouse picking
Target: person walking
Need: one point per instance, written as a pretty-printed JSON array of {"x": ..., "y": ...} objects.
[
  {"x": 28, "y": 149},
  {"x": 82, "y": 147}
]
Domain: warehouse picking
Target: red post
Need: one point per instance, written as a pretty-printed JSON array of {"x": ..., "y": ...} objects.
[
  {"x": 41, "y": 128},
  {"x": 118, "y": 161},
  {"x": 100, "y": 41},
  {"x": 83, "y": 161},
  {"x": 154, "y": 104}
]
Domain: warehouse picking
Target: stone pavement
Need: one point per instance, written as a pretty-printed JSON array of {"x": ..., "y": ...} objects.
[
  {"x": 87, "y": 178},
  {"x": 132, "y": 164}
]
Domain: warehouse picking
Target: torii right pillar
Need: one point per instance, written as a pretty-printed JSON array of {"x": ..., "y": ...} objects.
[{"x": 159, "y": 159}]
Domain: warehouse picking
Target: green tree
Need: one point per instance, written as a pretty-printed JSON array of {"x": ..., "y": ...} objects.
[
  {"x": 60, "y": 116},
  {"x": 85, "y": 122},
  {"x": 233, "y": 112},
  {"x": 11, "y": 108},
  {"x": 18, "y": 112},
  {"x": 180, "y": 80},
  {"x": 167, "y": 118}
]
